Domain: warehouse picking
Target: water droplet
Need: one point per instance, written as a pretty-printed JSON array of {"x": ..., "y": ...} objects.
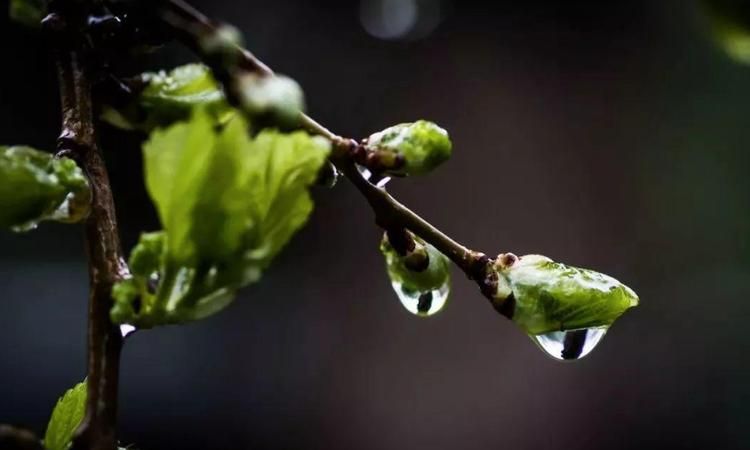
[
  {"x": 127, "y": 329},
  {"x": 63, "y": 212},
  {"x": 423, "y": 304},
  {"x": 378, "y": 180},
  {"x": 571, "y": 344},
  {"x": 23, "y": 228},
  {"x": 328, "y": 176}
]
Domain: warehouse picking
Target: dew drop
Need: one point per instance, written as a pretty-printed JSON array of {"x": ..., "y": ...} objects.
[
  {"x": 423, "y": 304},
  {"x": 571, "y": 344},
  {"x": 127, "y": 329},
  {"x": 378, "y": 180}
]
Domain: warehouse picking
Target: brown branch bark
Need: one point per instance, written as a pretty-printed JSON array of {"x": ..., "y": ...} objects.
[
  {"x": 105, "y": 262},
  {"x": 12, "y": 438}
]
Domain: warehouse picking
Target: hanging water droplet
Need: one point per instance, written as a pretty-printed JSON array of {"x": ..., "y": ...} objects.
[
  {"x": 571, "y": 344},
  {"x": 328, "y": 176},
  {"x": 378, "y": 180},
  {"x": 126, "y": 330},
  {"x": 423, "y": 304}
]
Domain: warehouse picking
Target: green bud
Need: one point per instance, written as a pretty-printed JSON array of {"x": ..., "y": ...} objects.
[
  {"x": 223, "y": 42},
  {"x": 134, "y": 298},
  {"x": 413, "y": 148},
  {"x": 37, "y": 186},
  {"x": 277, "y": 99},
  {"x": 543, "y": 296},
  {"x": 125, "y": 294},
  {"x": 148, "y": 255},
  {"x": 730, "y": 26},
  {"x": 435, "y": 267}
]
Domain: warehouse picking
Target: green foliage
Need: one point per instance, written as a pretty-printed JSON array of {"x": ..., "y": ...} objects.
[
  {"x": 422, "y": 146},
  {"x": 730, "y": 26},
  {"x": 65, "y": 418},
  {"x": 551, "y": 296},
  {"x": 420, "y": 270},
  {"x": 37, "y": 186},
  {"x": 27, "y": 12},
  {"x": 170, "y": 97},
  {"x": 228, "y": 204}
]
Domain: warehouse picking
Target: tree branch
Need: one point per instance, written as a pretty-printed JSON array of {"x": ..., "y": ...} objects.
[
  {"x": 12, "y": 438},
  {"x": 192, "y": 27},
  {"x": 106, "y": 265}
]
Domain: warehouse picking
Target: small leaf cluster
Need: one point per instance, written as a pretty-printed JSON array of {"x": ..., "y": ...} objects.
[
  {"x": 37, "y": 186},
  {"x": 168, "y": 97},
  {"x": 228, "y": 202}
]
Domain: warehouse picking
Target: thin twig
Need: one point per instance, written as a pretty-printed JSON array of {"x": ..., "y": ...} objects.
[
  {"x": 192, "y": 28},
  {"x": 12, "y": 438},
  {"x": 106, "y": 265}
]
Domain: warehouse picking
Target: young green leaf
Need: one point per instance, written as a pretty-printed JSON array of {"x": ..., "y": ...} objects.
[
  {"x": 65, "y": 418},
  {"x": 27, "y": 12},
  {"x": 542, "y": 296},
  {"x": 228, "y": 204},
  {"x": 169, "y": 97},
  {"x": 36, "y": 186},
  {"x": 411, "y": 148},
  {"x": 164, "y": 98}
]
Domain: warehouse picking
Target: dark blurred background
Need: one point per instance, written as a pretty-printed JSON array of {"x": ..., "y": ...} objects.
[{"x": 610, "y": 135}]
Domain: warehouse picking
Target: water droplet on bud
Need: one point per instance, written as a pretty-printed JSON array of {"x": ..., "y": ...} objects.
[
  {"x": 423, "y": 304},
  {"x": 328, "y": 176},
  {"x": 571, "y": 344}
]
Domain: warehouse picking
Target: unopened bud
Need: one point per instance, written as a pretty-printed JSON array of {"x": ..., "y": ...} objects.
[{"x": 411, "y": 148}]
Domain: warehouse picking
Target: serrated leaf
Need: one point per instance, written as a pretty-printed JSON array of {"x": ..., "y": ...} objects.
[
  {"x": 65, "y": 418},
  {"x": 228, "y": 204},
  {"x": 36, "y": 186},
  {"x": 281, "y": 167}
]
